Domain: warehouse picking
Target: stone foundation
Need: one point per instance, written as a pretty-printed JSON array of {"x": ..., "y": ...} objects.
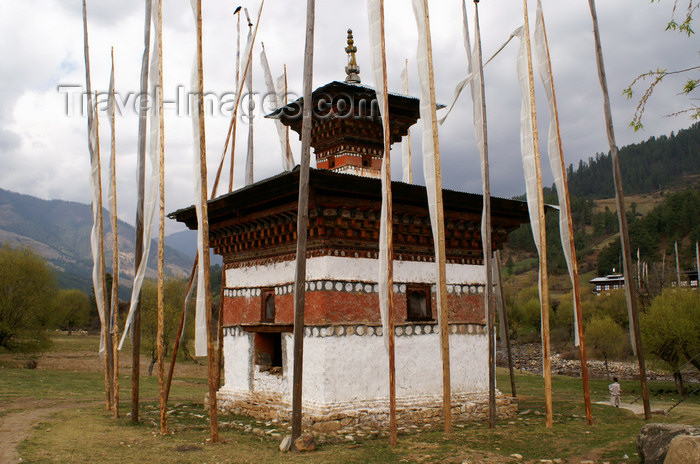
[{"x": 370, "y": 417}]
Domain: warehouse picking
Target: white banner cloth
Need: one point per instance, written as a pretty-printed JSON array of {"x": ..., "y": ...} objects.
[
  {"x": 287, "y": 163},
  {"x": 152, "y": 196},
  {"x": 553, "y": 149},
  {"x": 375, "y": 39}
]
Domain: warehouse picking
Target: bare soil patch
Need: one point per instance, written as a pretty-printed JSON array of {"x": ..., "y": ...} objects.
[{"x": 16, "y": 426}]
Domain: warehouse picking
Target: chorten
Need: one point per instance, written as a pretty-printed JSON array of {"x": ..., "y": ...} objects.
[{"x": 345, "y": 380}]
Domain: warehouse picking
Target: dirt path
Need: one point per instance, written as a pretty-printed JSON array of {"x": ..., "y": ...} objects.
[
  {"x": 635, "y": 408},
  {"x": 16, "y": 426}
]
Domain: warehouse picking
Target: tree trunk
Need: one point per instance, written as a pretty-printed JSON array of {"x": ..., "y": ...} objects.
[
  {"x": 678, "y": 378},
  {"x": 607, "y": 370},
  {"x": 154, "y": 358},
  {"x": 694, "y": 361}
]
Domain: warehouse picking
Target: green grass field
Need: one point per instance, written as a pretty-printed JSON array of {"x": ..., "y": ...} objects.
[{"x": 85, "y": 433}]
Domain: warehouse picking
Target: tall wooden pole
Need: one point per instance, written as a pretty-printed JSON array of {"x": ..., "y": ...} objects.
[
  {"x": 140, "y": 187},
  {"x": 621, "y": 215},
  {"x": 211, "y": 351},
  {"x": 663, "y": 268},
  {"x": 237, "y": 14},
  {"x": 180, "y": 329},
  {"x": 220, "y": 333},
  {"x": 486, "y": 234},
  {"x": 570, "y": 231},
  {"x": 95, "y": 161},
  {"x": 439, "y": 239},
  {"x": 114, "y": 304},
  {"x": 100, "y": 230},
  {"x": 678, "y": 266},
  {"x": 408, "y": 135},
  {"x": 501, "y": 297},
  {"x": 302, "y": 225},
  {"x": 544, "y": 290},
  {"x": 697, "y": 260},
  {"x": 284, "y": 103},
  {"x": 231, "y": 134},
  {"x": 193, "y": 271},
  {"x": 161, "y": 223},
  {"x": 389, "y": 234}
]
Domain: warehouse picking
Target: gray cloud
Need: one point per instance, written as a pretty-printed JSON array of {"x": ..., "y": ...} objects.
[
  {"x": 9, "y": 141},
  {"x": 42, "y": 47}
]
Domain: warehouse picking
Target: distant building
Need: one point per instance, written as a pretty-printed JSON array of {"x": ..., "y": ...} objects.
[
  {"x": 609, "y": 282},
  {"x": 690, "y": 280}
]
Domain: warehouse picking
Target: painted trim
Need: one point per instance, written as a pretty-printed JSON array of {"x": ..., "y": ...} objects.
[{"x": 337, "y": 268}]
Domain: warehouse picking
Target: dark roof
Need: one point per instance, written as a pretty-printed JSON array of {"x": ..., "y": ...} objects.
[
  {"x": 284, "y": 187},
  {"x": 293, "y": 109}
]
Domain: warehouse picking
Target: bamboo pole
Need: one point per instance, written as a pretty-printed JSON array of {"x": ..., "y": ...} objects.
[
  {"x": 622, "y": 218},
  {"x": 440, "y": 241},
  {"x": 211, "y": 354},
  {"x": 302, "y": 225},
  {"x": 389, "y": 234},
  {"x": 574, "y": 259},
  {"x": 114, "y": 305},
  {"x": 544, "y": 290},
  {"x": 161, "y": 223},
  {"x": 140, "y": 187},
  {"x": 504, "y": 312}
]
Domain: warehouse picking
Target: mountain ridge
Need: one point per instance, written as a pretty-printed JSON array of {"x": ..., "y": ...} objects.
[{"x": 59, "y": 231}]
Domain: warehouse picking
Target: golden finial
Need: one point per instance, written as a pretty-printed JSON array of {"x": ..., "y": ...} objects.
[{"x": 352, "y": 69}]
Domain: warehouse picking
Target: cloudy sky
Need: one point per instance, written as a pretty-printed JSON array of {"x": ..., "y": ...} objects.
[{"x": 43, "y": 148}]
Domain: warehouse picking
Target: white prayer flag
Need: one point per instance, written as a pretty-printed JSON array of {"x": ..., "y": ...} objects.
[
  {"x": 152, "y": 197},
  {"x": 375, "y": 40},
  {"x": 275, "y": 103},
  {"x": 554, "y": 152}
]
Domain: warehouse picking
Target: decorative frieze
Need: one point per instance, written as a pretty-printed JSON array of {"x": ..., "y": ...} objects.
[
  {"x": 363, "y": 330},
  {"x": 346, "y": 287}
]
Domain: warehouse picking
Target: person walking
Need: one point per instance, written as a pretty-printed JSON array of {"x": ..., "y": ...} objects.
[{"x": 615, "y": 392}]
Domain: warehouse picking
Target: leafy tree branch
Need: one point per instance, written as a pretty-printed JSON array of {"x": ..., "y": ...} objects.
[{"x": 683, "y": 25}]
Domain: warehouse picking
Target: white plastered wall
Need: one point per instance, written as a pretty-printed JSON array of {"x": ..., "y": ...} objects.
[
  {"x": 341, "y": 371},
  {"x": 350, "y": 269}
]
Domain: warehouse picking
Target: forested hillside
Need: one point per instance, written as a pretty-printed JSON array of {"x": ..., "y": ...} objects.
[
  {"x": 665, "y": 168},
  {"x": 677, "y": 219},
  {"x": 656, "y": 164}
]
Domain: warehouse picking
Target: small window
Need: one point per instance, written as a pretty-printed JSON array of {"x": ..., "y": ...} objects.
[
  {"x": 268, "y": 305},
  {"x": 418, "y": 303},
  {"x": 365, "y": 162}
]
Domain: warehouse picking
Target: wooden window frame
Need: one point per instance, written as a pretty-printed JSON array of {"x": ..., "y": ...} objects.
[
  {"x": 264, "y": 294},
  {"x": 425, "y": 289}
]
